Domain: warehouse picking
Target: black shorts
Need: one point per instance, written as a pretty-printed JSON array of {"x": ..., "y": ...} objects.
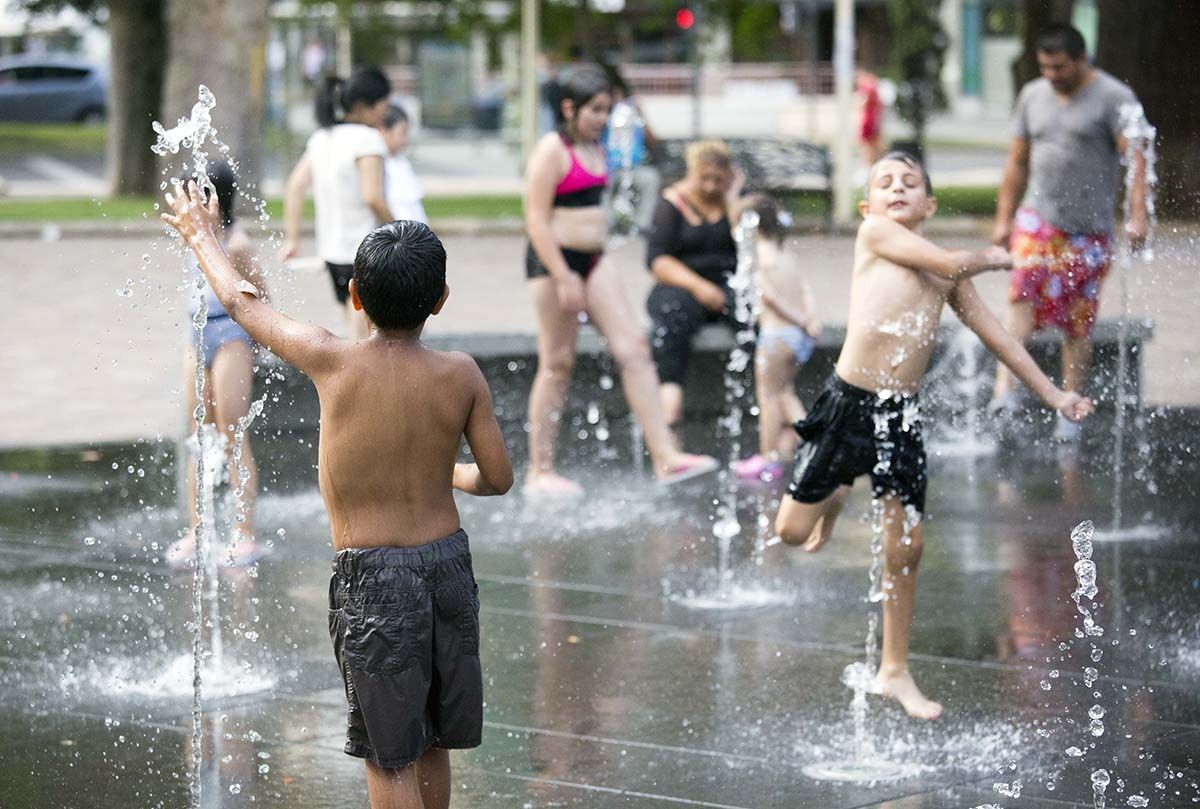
[
  {"x": 578, "y": 261},
  {"x": 851, "y": 432},
  {"x": 340, "y": 275},
  {"x": 405, "y": 629}
]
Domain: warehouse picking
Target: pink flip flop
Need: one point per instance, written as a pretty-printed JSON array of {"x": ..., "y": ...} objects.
[
  {"x": 693, "y": 467},
  {"x": 554, "y": 487}
]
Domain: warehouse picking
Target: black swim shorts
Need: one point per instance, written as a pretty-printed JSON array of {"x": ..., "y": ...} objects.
[
  {"x": 852, "y": 432},
  {"x": 340, "y": 275},
  {"x": 405, "y": 628},
  {"x": 579, "y": 262}
]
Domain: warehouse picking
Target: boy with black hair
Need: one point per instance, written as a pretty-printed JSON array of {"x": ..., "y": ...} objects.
[
  {"x": 403, "y": 604},
  {"x": 868, "y": 420}
]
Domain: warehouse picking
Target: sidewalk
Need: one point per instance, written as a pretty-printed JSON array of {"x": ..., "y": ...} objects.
[
  {"x": 964, "y": 150},
  {"x": 84, "y": 362}
]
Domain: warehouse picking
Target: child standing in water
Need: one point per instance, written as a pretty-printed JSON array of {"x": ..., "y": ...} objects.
[
  {"x": 404, "y": 608},
  {"x": 403, "y": 189},
  {"x": 868, "y": 420},
  {"x": 228, "y": 354},
  {"x": 788, "y": 331}
]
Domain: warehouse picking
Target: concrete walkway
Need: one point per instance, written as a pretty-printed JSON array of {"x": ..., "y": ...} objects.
[{"x": 91, "y": 341}]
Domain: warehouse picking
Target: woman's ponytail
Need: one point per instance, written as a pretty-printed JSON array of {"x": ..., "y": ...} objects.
[{"x": 327, "y": 103}]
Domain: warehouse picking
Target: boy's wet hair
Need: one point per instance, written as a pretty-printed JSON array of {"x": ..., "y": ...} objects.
[
  {"x": 579, "y": 85},
  {"x": 1062, "y": 38},
  {"x": 337, "y": 96},
  {"x": 908, "y": 159},
  {"x": 399, "y": 273},
  {"x": 774, "y": 221},
  {"x": 395, "y": 115},
  {"x": 224, "y": 181}
]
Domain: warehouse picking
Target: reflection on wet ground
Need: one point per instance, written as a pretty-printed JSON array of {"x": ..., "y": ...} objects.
[{"x": 602, "y": 689}]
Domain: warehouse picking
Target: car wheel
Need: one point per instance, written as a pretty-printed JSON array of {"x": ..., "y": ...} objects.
[{"x": 92, "y": 115}]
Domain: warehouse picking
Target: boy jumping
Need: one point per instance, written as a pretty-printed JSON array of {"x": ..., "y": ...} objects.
[
  {"x": 867, "y": 420},
  {"x": 404, "y": 608}
]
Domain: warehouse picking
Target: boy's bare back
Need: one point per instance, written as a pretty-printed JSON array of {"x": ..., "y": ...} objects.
[{"x": 393, "y": 415}]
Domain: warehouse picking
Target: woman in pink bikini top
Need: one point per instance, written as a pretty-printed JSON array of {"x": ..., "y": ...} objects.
[{"x": 567, "y": 228}]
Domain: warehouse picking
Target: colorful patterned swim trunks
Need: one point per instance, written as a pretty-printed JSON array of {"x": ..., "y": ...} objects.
[{"x": 1059, "y": 273}]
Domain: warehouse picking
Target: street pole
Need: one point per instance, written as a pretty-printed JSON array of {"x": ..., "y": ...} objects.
[
  {"x": 843, "y": 137},
  {"x": 693, "y": 36},
  {"x": 529, "y": 85}
]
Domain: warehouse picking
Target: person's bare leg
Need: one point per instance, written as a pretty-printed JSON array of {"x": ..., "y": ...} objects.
[
  {"x": 1076, "y": 361},
  {"x": 777, "y": 381},
  {"x": 433, "y": 773},
  {"x": 394, "y": 789},
  {"x": 809, "y": 525},
  {"x": 1019, "y": 322},
  {"x": 768, "y": 407},
  {"x": 233, "y": 382},
  {"x": 557, "y": 333},
  {"x": 182, "y": 549},
  {"x": 670, "y": 396},
  {"x": 614, "y": 318},
  {"x": 902, "y": 553}
]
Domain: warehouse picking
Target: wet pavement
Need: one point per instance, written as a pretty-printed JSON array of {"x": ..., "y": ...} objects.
[{"x": 603, "y": 688}]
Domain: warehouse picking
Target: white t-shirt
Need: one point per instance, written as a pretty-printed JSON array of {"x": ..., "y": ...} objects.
[
  {"x": 343, "y": 219},
  {"x": 404, "y": 192}
]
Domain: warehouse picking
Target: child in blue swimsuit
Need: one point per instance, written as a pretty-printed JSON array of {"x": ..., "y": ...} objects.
[
  {"x": 788, "y": 330},
  {"x": 228, "y": 354}
]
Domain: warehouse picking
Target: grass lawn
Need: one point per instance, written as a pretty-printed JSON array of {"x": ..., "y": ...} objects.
[
  {"x": 22, "y": 139},
  {"x": 82, "y": 209},
  {"x": 952, "y": 201}
]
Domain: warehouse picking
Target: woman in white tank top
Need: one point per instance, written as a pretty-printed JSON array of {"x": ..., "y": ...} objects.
[{"x": 343, "y": 164}]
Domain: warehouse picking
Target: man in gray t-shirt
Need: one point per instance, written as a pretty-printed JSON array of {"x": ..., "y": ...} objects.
[{"x": 1064, "y": 166}]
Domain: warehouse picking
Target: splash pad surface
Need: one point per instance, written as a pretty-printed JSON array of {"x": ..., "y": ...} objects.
[{"x": 602, "y": 689}]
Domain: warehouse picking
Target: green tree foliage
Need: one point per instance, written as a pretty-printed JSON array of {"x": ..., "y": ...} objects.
[{"x": 918, "y": 51}]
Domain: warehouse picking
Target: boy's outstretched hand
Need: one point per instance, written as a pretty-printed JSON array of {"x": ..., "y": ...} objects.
[
  {"x": 1073, "y": 406},
  {"x": 193, "y": 220}
]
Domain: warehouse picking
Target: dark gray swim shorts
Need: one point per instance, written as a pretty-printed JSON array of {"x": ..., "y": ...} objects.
[{"x": 405, "y": 629}]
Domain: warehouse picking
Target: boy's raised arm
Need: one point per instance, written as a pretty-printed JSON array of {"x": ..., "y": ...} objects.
[
  {"x": 492, "y": 473},
  {"x": 975, "y": 315},
  {"x": 307, "y": 347},
  {"x": 899, "y": 245}
]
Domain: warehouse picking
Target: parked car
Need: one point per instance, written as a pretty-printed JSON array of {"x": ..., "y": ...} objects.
[{"x": 46, "y": 88}]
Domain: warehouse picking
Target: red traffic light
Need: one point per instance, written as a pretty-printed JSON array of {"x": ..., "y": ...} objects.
[{"x": 685, "y": 18}]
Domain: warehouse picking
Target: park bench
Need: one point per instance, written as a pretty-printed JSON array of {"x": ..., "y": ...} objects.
[{"x": 787, "y": 169}]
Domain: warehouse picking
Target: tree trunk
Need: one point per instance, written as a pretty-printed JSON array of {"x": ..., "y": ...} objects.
[
  {"x": 137, "y": 33},
  {"x": 221, "y": 44},
  {"x": 1151, "y": 45},
  {"x": 1036, "y": 15}
]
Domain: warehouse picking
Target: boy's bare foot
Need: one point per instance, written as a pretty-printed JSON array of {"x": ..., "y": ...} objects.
[
  {"x": 685, "y": 467},
  {"x": 819, "y": 536},
  {"x": 899, "y": 686},
  {"x": 182, "y": 552},
  {"x": 550, "y": 484}
]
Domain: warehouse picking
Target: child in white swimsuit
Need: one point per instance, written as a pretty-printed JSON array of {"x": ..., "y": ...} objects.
[{"x": 788, "y": 329}]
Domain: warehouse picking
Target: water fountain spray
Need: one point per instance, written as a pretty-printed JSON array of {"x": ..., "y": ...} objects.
[
  {"x": 192, "y": 133},
  {"x": 1139, "y": 136}
]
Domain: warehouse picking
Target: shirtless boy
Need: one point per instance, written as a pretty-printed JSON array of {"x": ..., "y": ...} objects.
[
  {"x": 403, "y": 604},
  {"x": 867, "y": 420}
]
